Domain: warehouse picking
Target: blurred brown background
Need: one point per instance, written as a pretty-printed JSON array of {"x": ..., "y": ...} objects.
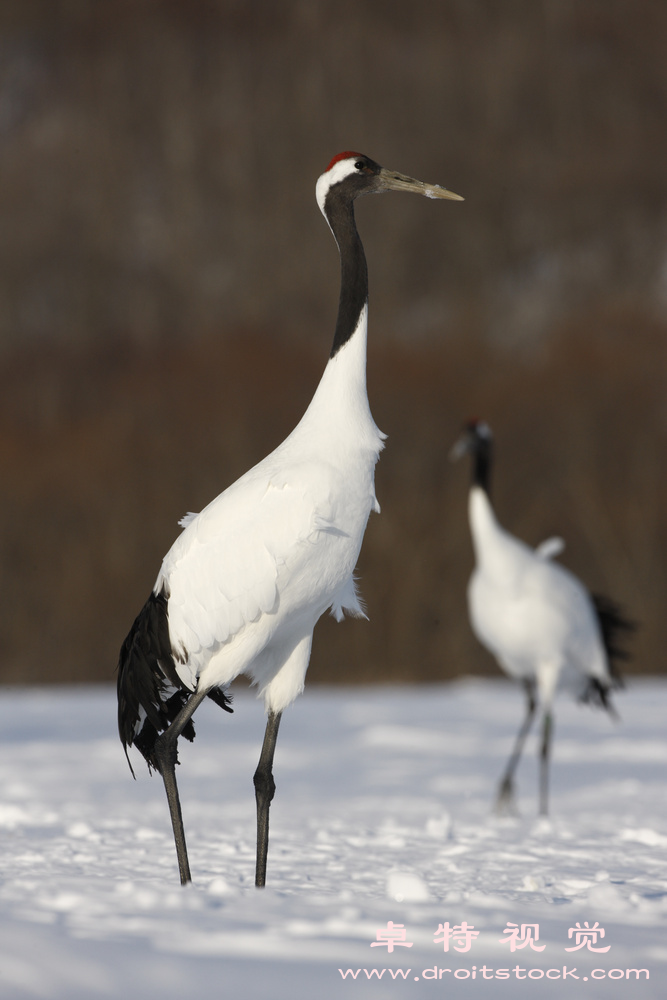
[{"x": 168, "y": 292}]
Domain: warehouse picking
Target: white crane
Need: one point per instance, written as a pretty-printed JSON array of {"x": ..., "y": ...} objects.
[
  {"x": 242, "y": 587},
  {"x": 539, "y": 622}
]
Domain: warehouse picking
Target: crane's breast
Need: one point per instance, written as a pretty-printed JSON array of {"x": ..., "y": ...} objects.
[{"x": 268, "y": 548}]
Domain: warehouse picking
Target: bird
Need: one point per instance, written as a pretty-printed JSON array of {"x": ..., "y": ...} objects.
[
  {"x": 243, "y": 585},
  {"x": 542, "y": 625}
]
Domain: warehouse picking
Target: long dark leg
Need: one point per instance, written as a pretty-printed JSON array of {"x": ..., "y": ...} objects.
[
  {"x": 505, "y": 799},
  {"x": 165, "y": 756},
  {"x": 265, "y": 788},
  {"x": 547, "y": 732}
]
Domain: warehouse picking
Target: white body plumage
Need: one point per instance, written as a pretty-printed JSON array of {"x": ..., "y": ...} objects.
[
  {"x": 532, "y": 614},
  {"x": 251, "y": 574}
]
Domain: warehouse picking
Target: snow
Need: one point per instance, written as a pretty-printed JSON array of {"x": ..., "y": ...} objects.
[{"x": 382, "y": 814}]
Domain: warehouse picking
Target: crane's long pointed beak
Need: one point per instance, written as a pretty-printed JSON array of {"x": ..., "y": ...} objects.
[
  {"x": 459, "y": 448},
  {"x": 391, "y": 181}
]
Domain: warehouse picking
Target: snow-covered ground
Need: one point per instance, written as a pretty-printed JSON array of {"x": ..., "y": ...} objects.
[{"x": 382, "y": 815}]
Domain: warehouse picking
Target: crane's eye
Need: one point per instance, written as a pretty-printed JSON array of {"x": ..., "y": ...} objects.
[{"x": 360, "y": 164}]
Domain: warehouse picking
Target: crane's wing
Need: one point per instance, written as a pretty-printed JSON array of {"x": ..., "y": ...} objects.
[
  {"x": 223, "y": 571},
  {"x": 550, "y": 548}
]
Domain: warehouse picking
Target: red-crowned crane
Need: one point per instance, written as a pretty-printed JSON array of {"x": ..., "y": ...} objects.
[
  {"x": 242, "y": 587},
  {"x": 540, "y": 623}
]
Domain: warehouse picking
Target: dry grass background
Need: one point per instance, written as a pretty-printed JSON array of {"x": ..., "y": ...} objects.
[{"x": 168, "y": 293}]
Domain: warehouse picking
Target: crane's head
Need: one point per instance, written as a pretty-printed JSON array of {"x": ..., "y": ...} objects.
[
  {"x": 476, "y": 437},
  {"x": 354, "y": 174},
  {"x": 477, "y": 441}
]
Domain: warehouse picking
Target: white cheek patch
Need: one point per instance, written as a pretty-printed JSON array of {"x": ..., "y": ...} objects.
[{"x": 340, "y": 170}]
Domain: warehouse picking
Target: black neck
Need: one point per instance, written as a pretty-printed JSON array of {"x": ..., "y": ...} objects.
[
  {"x": 482, "y": 461},
  {"x": 339, "y": 209}
]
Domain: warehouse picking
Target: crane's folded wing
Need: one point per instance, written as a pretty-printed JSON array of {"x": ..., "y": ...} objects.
[{"x": 223, "y": 571}]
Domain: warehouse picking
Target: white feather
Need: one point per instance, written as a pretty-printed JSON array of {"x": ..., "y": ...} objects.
[
  {"x": 533, "y": 615},
  {"x": 550, "y": 548},
  {"x": 250, "y": 575}
]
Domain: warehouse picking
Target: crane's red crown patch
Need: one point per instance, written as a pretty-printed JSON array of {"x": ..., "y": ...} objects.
[{"x": 342, "y": 156}]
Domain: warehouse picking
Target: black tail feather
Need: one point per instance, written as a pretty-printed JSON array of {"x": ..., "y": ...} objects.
[
  {"x": 598, "y": 695},
  {"x": 150, "y": 692},
  {"x": 615, "y": 627},
  {"x": 221, "y": 698}
]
